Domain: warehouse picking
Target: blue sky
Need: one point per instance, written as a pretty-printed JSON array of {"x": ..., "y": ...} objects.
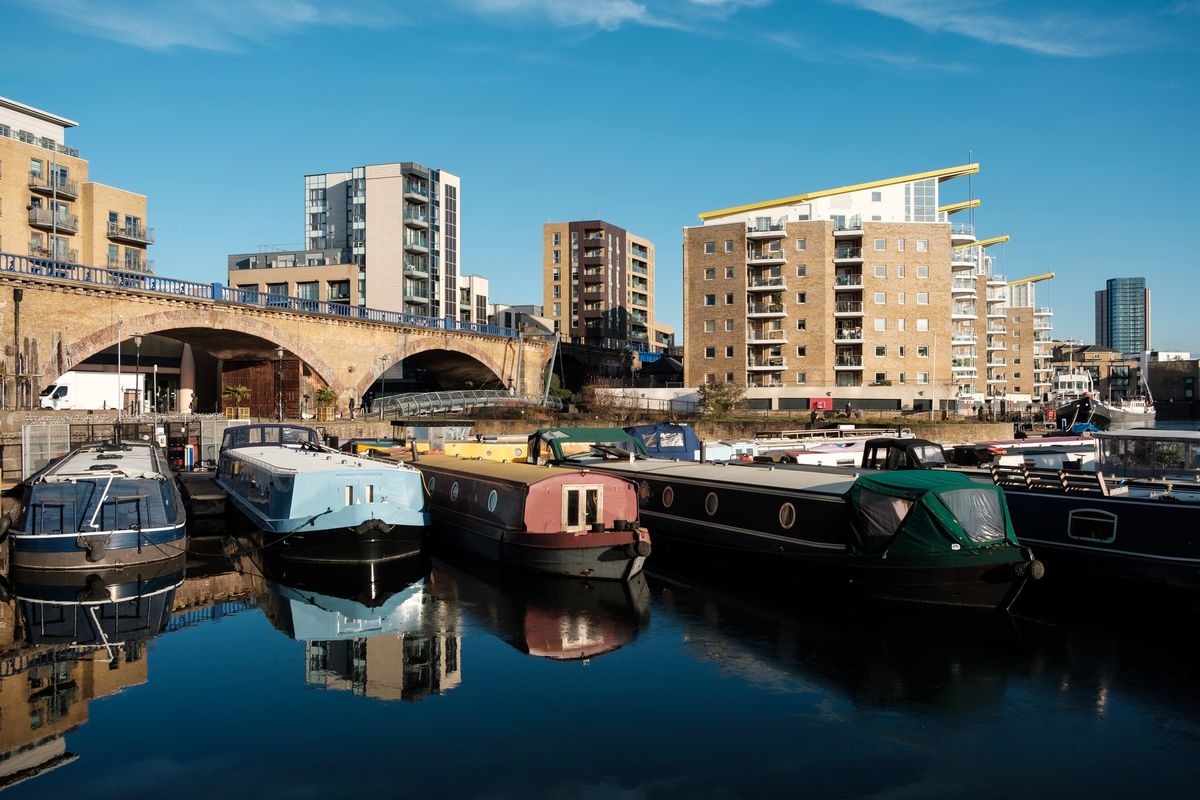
[{"x": 1083, "y": 115}]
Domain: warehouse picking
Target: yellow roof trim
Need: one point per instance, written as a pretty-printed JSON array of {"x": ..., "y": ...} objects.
[
  {"x": 984, "y": 242},
  {"x": 1043, "y": 277},
  {"x": 954, "y": 208},
  {"x": 940, "y": 174}
]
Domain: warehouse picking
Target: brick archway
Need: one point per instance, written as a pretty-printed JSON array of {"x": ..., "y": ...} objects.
[
  {"x": 166, "y": 321},
  {"x": 416, "y": 346}
]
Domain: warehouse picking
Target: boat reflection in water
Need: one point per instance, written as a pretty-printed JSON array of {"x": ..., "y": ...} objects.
[
  {"x": 68, "y": 638},
  {"x": 544, "y": 615},
  {"x": 364, "y": 616}
]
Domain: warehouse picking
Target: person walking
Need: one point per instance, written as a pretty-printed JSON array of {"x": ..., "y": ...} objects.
[
  {"x": 812, "y": 419},
  {"x": 849, "y": 409},
  {"x": 351, "y": 408}
]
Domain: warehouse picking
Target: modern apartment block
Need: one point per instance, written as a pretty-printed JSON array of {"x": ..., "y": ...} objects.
[
  {"x": 865, "y": 293},
  {"x": 48, "y": 206},
  {"x": 392, "y": 231},
  {"x": 1123, "y": 315},
  {"x": 598, "y": 284}
]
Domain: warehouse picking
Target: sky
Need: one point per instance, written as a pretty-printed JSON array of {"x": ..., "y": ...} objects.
[{"x": 644, "y": 113}]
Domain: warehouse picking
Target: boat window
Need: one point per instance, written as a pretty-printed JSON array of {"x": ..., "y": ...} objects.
[
  {"x": 432, "y": 483},
  {"x": 572, "y": 516},
  {"x": 670, "y": 439},
  {"x": 1168, "y": 456},
  {"x": 883, "y": 514},
  {"x": 648, "y": 440},
  {"x": 349, "y": 495},
  {"x": 1112, "y": 452},
  {"x": 582, "y": 507},
  {"x": 1092, "y": 525},
  {"x": 930, "y": 454},
  {"x": 592, "y": 506},
  {"x": 979, "y": 512},
  {"x": 370, "y": 493},
  {"x": 668, "y": 497},
  {"x": 454, "y": 491},
  {"x": 710, "y": 503},
  {"x": 787, "y": 516},
  {"x": 1138, "y": 454},
  {"x": 493, "y": 498}
]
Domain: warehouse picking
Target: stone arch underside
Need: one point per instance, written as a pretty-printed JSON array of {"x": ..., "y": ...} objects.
[{"x": 452, "y": 367}]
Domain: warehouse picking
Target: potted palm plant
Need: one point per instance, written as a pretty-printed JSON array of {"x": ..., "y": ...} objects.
[
  {"x": 234, "y": 397},
  {"x": 326, "y": 402}
]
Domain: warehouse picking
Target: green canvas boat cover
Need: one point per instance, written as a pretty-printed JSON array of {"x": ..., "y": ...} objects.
[
  {"x": 563, "y": 442},
  {"x": 915, "y": 512}
]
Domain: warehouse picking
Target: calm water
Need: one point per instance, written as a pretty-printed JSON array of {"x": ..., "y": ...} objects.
[{"x": 441, "y": 678}]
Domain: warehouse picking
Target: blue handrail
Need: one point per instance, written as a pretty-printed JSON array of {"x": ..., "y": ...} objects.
[{"x": 217, "y": 292}]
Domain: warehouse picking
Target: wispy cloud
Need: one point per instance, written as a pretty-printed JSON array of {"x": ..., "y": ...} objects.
[
  {"x": 612, "y": 14},
  {"x": 818, "y": 52},
  {"x": 1053, "y": 32},
  {"x": 226, "y": 25}
]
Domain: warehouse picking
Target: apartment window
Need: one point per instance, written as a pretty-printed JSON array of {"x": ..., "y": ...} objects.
[
  {"x": 557, "y": 258},
  {"x": 557, "y": 238},
  {"x": 880, "y": 272},
  {"x": 922, "y": 351},
  {"x": 710, "y": 326},
  {"x": 801, "y": 351},
  {"x": 1017, "y": 333},
  {"x": 729, "y": 351},
  {"x": 922, "y": 377},
  {"x": 899, "y": 245},
  {"x": 922, "y": 245},
  {"x": 900, "y": 298},
  {"x": 801, "y": 377},
  {"x": 710, "y": 274},
  {"x": 880, "y": 298},
  {"x": 1016, "y": 348},
  {"x": 876, "y": 218},
  {"x": 339, "y": 291},
  {"x": 900, "y": 377},
  {"x": 112, "y": 256},
  {"x": 1016, "y": 318},
  {"x": 922, "y": 272},
  {"x": 880, "y": 377},
  {"x": 876, "y": 197},
  {"x": 35, "y": 168},
  {"x": 801, "y": 271},
  {"x": 557, "y": 310},
  {"x": 710, "y": 299},
  {"x": 775, "y": 246},
  {"x": 801, "y": 325},
  {"x": 801, "y": 245},
  {"x": 556, "y": 274},
  {"x": 729, "y": 298},
  {"x": 801, "y": 297},
  {"x": 880, "y": 350},
  {"x": 922, "y": 324},
  {"x": 729, "y": 273},
  {"x": 900, "y": 350},
  {"x": 729, "y": 377},
  {"x": 881, "y": 324},
  {"x": 710, "y": 247},
  {"x": 710, "y": 352},
  {"x": 729, "y": 245},
  {"x": 881, "y": 244},
  {"x": 729, "y": 325},
  {"x": 710, "y": 377},
  {"x": 900, "y": 271},
  {"x": 900, "y": 324}
]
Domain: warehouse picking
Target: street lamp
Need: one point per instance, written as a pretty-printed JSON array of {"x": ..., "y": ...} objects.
[
  {"x": 156, "y": 388},
  {"x": 120, "y": 386},
  {"x": 137, "y": 366},
  {"x": 279, "y": 383}
]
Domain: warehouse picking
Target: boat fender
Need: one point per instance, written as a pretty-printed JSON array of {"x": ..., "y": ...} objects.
[
  {"x": 5, "y": 524},
  {"x": 94, "y": 547},
  {"x": 376, "y": 526},
  {"x": 5, "y": 590},
  {"x": 1037, "y": 570},
  {"x": 642, "y": 548},
  {"x": 94, "y": 590}
]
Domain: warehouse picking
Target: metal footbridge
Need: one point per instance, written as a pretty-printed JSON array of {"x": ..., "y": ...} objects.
[{"x": 427, "y": 403}]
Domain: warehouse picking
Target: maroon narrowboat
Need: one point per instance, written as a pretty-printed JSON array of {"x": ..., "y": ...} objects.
[{"x": 555, "y": 520}]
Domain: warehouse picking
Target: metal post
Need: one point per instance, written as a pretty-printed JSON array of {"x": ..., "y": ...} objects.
[
  {"x": 156, "y": 388},
  {"x": 279, "y": 384},
  {"x": 137, "y": 362},
  {"x": 120, "y": 387}
]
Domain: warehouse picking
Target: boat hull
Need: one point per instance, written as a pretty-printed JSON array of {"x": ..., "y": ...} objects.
[{"x": 95, "y": 550}]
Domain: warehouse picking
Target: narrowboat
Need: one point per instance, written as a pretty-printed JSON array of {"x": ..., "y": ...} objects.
[
  {"x": 290, "y": 485},
  {"x": 102, "y": 505},
  {"x": 555, "y": 520}
]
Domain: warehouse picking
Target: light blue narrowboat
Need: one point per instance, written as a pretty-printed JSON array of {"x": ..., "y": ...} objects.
[
  {"x": 102, "y": 505},
  {"x": 288, "y": 484}
]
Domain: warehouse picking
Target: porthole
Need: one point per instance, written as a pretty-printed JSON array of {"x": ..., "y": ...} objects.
[
  {"x": 644, "y": 491},
  {"x": 710, "y": 503},
  {"x": 518, "y": 452},
  {"x": 668, "y": 497},
  {"x": 493, "y": 498},
  {"x": 787, "y": 516},
  {"x": 432, "y": 484},
  {"x": 454, "y": 491}
]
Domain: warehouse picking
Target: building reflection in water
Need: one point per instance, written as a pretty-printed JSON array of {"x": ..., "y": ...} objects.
[{"x": 66, "y": 639}]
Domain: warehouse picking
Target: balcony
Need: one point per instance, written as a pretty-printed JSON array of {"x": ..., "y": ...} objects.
[
  {"x": 773, "y": 336},
  {"x": 959, "y": 339},
  {"x": 765, "y": 310},
  {"x": 416, "y": 220},
  {"x": 416, "y": 193},
  {"x": 69, "y": 256},
  {"x": 846, "y": 255},
  {"x": 848, "y": 362},
  {"x": 848, "y": 336},
  {"x": 138, "y": 234},
  {"x": 854, "y": 281},
  {"x": 962, "y": 233},
  {"x": 962, "y": 258},
  {"x": 639, "y": 336},
  {"x": 414, "y": 271},
  {"x": 847, "y": 227},
  {"x": 997, "y": 362},
  {"x": 49, "y": 220},
  {"x": 997, "y": 379},
  {"x": 997, "y": 312},
  {"x": 1044, "y": 311},
  {"x": 137, "y": 265},
  {"x": 773, "y": 230},
  {"x": 764, "y": 383},
  {"x": 848, "y": 308},
  {"x": 963, "y": 365},
  {"x": 639, "y": 269},
  {"x": 1041, "y": 324},
  {"x": 765, "y": 257},
  {"x": 963, "y": 286},
  {"x": 995, "y": 346},
  {"x": 767, "y": 364},
  {"x": 53, "y": 187},
  {"x": 592, "y": 277},
  {"x": 963, "y": 312},
  {"x": 772, "y": 284},
  {"x": 413, "y": 294},
  {"x": 996, "y": 280},
  {"x": 419, "y": 246}
]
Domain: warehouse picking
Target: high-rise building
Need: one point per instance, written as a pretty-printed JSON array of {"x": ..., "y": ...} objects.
[
  {"x": 48, "y": 206},
  {"x": 598, "y": 284},
  {"x": 386, "y": 236},
  {"x": 1123, "y": 315},
  {"x": 865, "y": 293}
]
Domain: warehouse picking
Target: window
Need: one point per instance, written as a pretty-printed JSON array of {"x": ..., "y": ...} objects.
[
  {"x": 900, "y": 377},
  {"x": 729, "y": 351},
  {"x": 308, "y": 290},
  {"x": 557, "y": 292},
  {"x": 710, "y": 247},
  {"x": 710, "y": 274},
  {"x": 801, "y": 377},
  {"x": 922, "y": 351},
  {"x": 729, "y": 245},
  {"x": 557, "y": 312},
  {"x": 557, "y": 274},
  {"x": 900, "y": 298},
  {"x": 709, "y": 377},
  {"x": 801, "y": 297},
  {"x": 880, "y": 350},
  {"x": 880, "y": 298},
  {"x": 881, "y": 244},
  {"x": 729, "y": 325},
  {"x": 801, "y": 245},
  {"x": 922, "y": 272},
  {"x": 801, "y": 351},
  {"x": 881, "y": 324},
  {"x": 922, "y": 324},
  {"x": 710, "y": 326},
  {"x": 922, "y": 298},
  {"x": 801, "y": 271},
  {"x": 880, "y": 272},
  {"x": 900, "y": 324},
  {"x": 899, "y": 245},
  {"x": 922, "y": 245},
  {"x": 880, "y": 377},
  {"x": 557, "y": 237},
  {"x": 710, "y": 352},
  {"x": 775, "y": 246},
  {"x": 1016, "y": 348},
  {"x": 582, "y": 507},
  {"x": 728, "y": 379},
  {"x": 922, "y": 377},
  {"x": 801, "y": 325},
  {"x": 900, "y": 349},
  {"x": 729, "y": 272},
  {"x": 900, "y": 271},
  {"x": 876, "y": 197},
  {"x": 339, "y": 291},
  {"x": 729, "y": 299},
  {"x": 557, "y": 257},
  {"x": 710, "y": 299}
]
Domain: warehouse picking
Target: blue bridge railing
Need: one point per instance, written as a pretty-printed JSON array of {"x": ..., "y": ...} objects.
[{"x": 174, "y": 287}]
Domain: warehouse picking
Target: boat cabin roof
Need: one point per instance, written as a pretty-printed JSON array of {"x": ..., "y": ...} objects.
[
  {"x": 509, "y": 472},
  {"x": 268, "y": 434},
  {"x": 762, "y": 476},
  {"x": 122, "y": 459}
]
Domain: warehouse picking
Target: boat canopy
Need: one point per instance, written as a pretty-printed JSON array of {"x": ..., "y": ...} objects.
[
  {"x": 556, "y": 444},
  {"x": 268, "y": 434},
  {"x": 665, "y": 440},
  {"x": 917, "y": 512}
]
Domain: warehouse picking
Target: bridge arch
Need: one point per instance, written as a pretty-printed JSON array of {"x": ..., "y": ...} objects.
[
  {"x": 197, "y": 326},
  {"x": 464, "y": 356}
]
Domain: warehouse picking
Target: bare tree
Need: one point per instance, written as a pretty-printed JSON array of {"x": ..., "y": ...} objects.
[{"x": 721, "y": 398}]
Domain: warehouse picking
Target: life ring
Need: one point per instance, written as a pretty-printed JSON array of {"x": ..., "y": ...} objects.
[{"x": 1050, "y": 415}]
